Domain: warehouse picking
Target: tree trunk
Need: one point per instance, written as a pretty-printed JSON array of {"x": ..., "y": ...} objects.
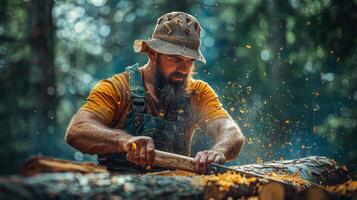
[
  {"x": 42, "y": 72},
  {"x": 279, "y": 76}
]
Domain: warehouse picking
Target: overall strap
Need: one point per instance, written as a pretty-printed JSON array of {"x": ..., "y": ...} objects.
[{"x": 137, "y": 91}]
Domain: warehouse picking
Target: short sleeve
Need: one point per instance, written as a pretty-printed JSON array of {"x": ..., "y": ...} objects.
[
  {"x": 102, "y": 101},
  {"x": 208, "y": 105}
]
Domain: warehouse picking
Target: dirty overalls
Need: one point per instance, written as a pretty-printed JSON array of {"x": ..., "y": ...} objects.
[{"x": 167, "y": 135}]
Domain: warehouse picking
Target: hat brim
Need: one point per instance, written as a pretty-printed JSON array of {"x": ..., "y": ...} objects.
[{"x": 164, "y": 47}]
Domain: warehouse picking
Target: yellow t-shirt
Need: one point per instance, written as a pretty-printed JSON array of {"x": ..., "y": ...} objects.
[{"x": 110, "y": 101}]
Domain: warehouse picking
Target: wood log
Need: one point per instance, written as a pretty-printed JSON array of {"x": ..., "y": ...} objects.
[
  {"x": 315, "y": 169},
  {"x": 183, "y": 185},
  {"x": 107, "y": 186},
  {"x": 39, "y": 164},
  {"x": 316, "y": 193},
  {"x": 348, "y": 189},
  {"x": 97, "y": 186},
  {"x": 318, "y": 170},
  {"x": 276, "y": 191},
  {"x": 214, "y": 191}
]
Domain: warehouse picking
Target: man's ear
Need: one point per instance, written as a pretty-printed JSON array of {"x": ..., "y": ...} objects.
[{"x": 152, "y": 55}]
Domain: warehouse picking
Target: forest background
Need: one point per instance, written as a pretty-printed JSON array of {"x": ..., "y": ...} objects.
[{"x": 284, "y": 69}]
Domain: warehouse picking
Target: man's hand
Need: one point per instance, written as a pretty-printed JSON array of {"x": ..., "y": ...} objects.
[
  {"x": 140, "y": 151},
  {"x": 204, "y": 158}
]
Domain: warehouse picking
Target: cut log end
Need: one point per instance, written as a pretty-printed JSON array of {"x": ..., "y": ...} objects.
[
  {"x": 39, "y": 164},
  {"x": 276, "y": 191}
]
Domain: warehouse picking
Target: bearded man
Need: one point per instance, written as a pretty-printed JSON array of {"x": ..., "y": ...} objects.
[{"x": 156, "y": 106}]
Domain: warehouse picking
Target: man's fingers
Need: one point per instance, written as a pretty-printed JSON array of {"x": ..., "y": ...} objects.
[
  {"x": 137, "y": 154},
  {"x": 130, "y": 152},
  {"x": 204, "y": 158},
  {"x": 143, "y": 155},
  {"x": 211, "y": 157},
  {"x": 203, "y": 163},
  {"x": 140, "y": 150},
  {"x": 196, "y": 162},
  {"x": 150, "y": 154},
  {"x": 219, "y": 159}
]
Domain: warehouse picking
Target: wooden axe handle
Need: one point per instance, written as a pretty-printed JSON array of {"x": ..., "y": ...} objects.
[{"x": 173, "y": 161}]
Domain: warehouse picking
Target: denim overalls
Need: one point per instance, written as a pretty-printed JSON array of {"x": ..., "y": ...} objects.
[{"x": 167, "y": 135}]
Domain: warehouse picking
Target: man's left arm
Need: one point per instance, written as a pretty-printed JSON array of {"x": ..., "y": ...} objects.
[
  {"x": 227, "y": 143},
  {"x": 218, "y": 124}
]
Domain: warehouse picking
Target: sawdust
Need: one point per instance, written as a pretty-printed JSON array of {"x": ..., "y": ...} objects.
[
  {"x": 294, "y": 179},
  {"x": 225, "y": 181}
]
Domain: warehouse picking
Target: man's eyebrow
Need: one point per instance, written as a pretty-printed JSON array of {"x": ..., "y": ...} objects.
[
  {"x": 181, "y": 58},
  {"x": 187, "y": 59}
]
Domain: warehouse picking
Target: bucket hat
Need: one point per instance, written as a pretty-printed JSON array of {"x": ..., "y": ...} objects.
[{"x": 176, "y": 33}]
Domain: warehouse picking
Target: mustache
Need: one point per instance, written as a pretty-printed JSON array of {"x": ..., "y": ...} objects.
[{"x": 178, "y": 75}]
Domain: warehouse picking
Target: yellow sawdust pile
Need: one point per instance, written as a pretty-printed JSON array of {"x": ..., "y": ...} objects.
[
  {"x": 225, "y": 181},
  {"x": 294, "y": 179}
]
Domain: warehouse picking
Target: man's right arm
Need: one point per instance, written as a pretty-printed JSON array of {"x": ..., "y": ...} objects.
[{"x": 87, "y": 133}]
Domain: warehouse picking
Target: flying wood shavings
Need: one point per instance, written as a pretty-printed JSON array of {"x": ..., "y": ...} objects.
[
  {"x": 259, "y": 160},
  {"x": 247, "y": 125}
]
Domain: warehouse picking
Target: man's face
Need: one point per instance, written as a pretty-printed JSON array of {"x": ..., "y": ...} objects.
[
  {"x": 175, "y": 68},
  {"x": 171, "y": 73}
]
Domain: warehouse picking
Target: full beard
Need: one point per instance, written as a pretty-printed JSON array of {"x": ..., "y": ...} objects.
[{"x": 172, "y": 95}]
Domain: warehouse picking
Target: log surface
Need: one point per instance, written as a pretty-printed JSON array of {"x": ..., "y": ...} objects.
[
  {"x": 315, "y": 169},
  {"x": 169, "y": 184},
  {"x": 97, "y": 186},
  {"x": 40, "y": 164}
]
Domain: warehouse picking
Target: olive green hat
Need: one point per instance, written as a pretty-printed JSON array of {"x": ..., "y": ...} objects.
[{"x": 176, "y": 33}]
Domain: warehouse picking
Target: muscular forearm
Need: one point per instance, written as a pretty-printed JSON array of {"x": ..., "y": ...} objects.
[
  {"x": 89, "y": 136},
  {"x": 229, "y": 147},
  {"x": 229, "y": 141}
]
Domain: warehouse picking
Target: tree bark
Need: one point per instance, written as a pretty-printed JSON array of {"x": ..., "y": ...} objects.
[
  {"x": 42, "y": 72},
  {"x": 279, "y": 76},
  {"x": 315, "y": 169},
  {"x": 162, "y": 185}
]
